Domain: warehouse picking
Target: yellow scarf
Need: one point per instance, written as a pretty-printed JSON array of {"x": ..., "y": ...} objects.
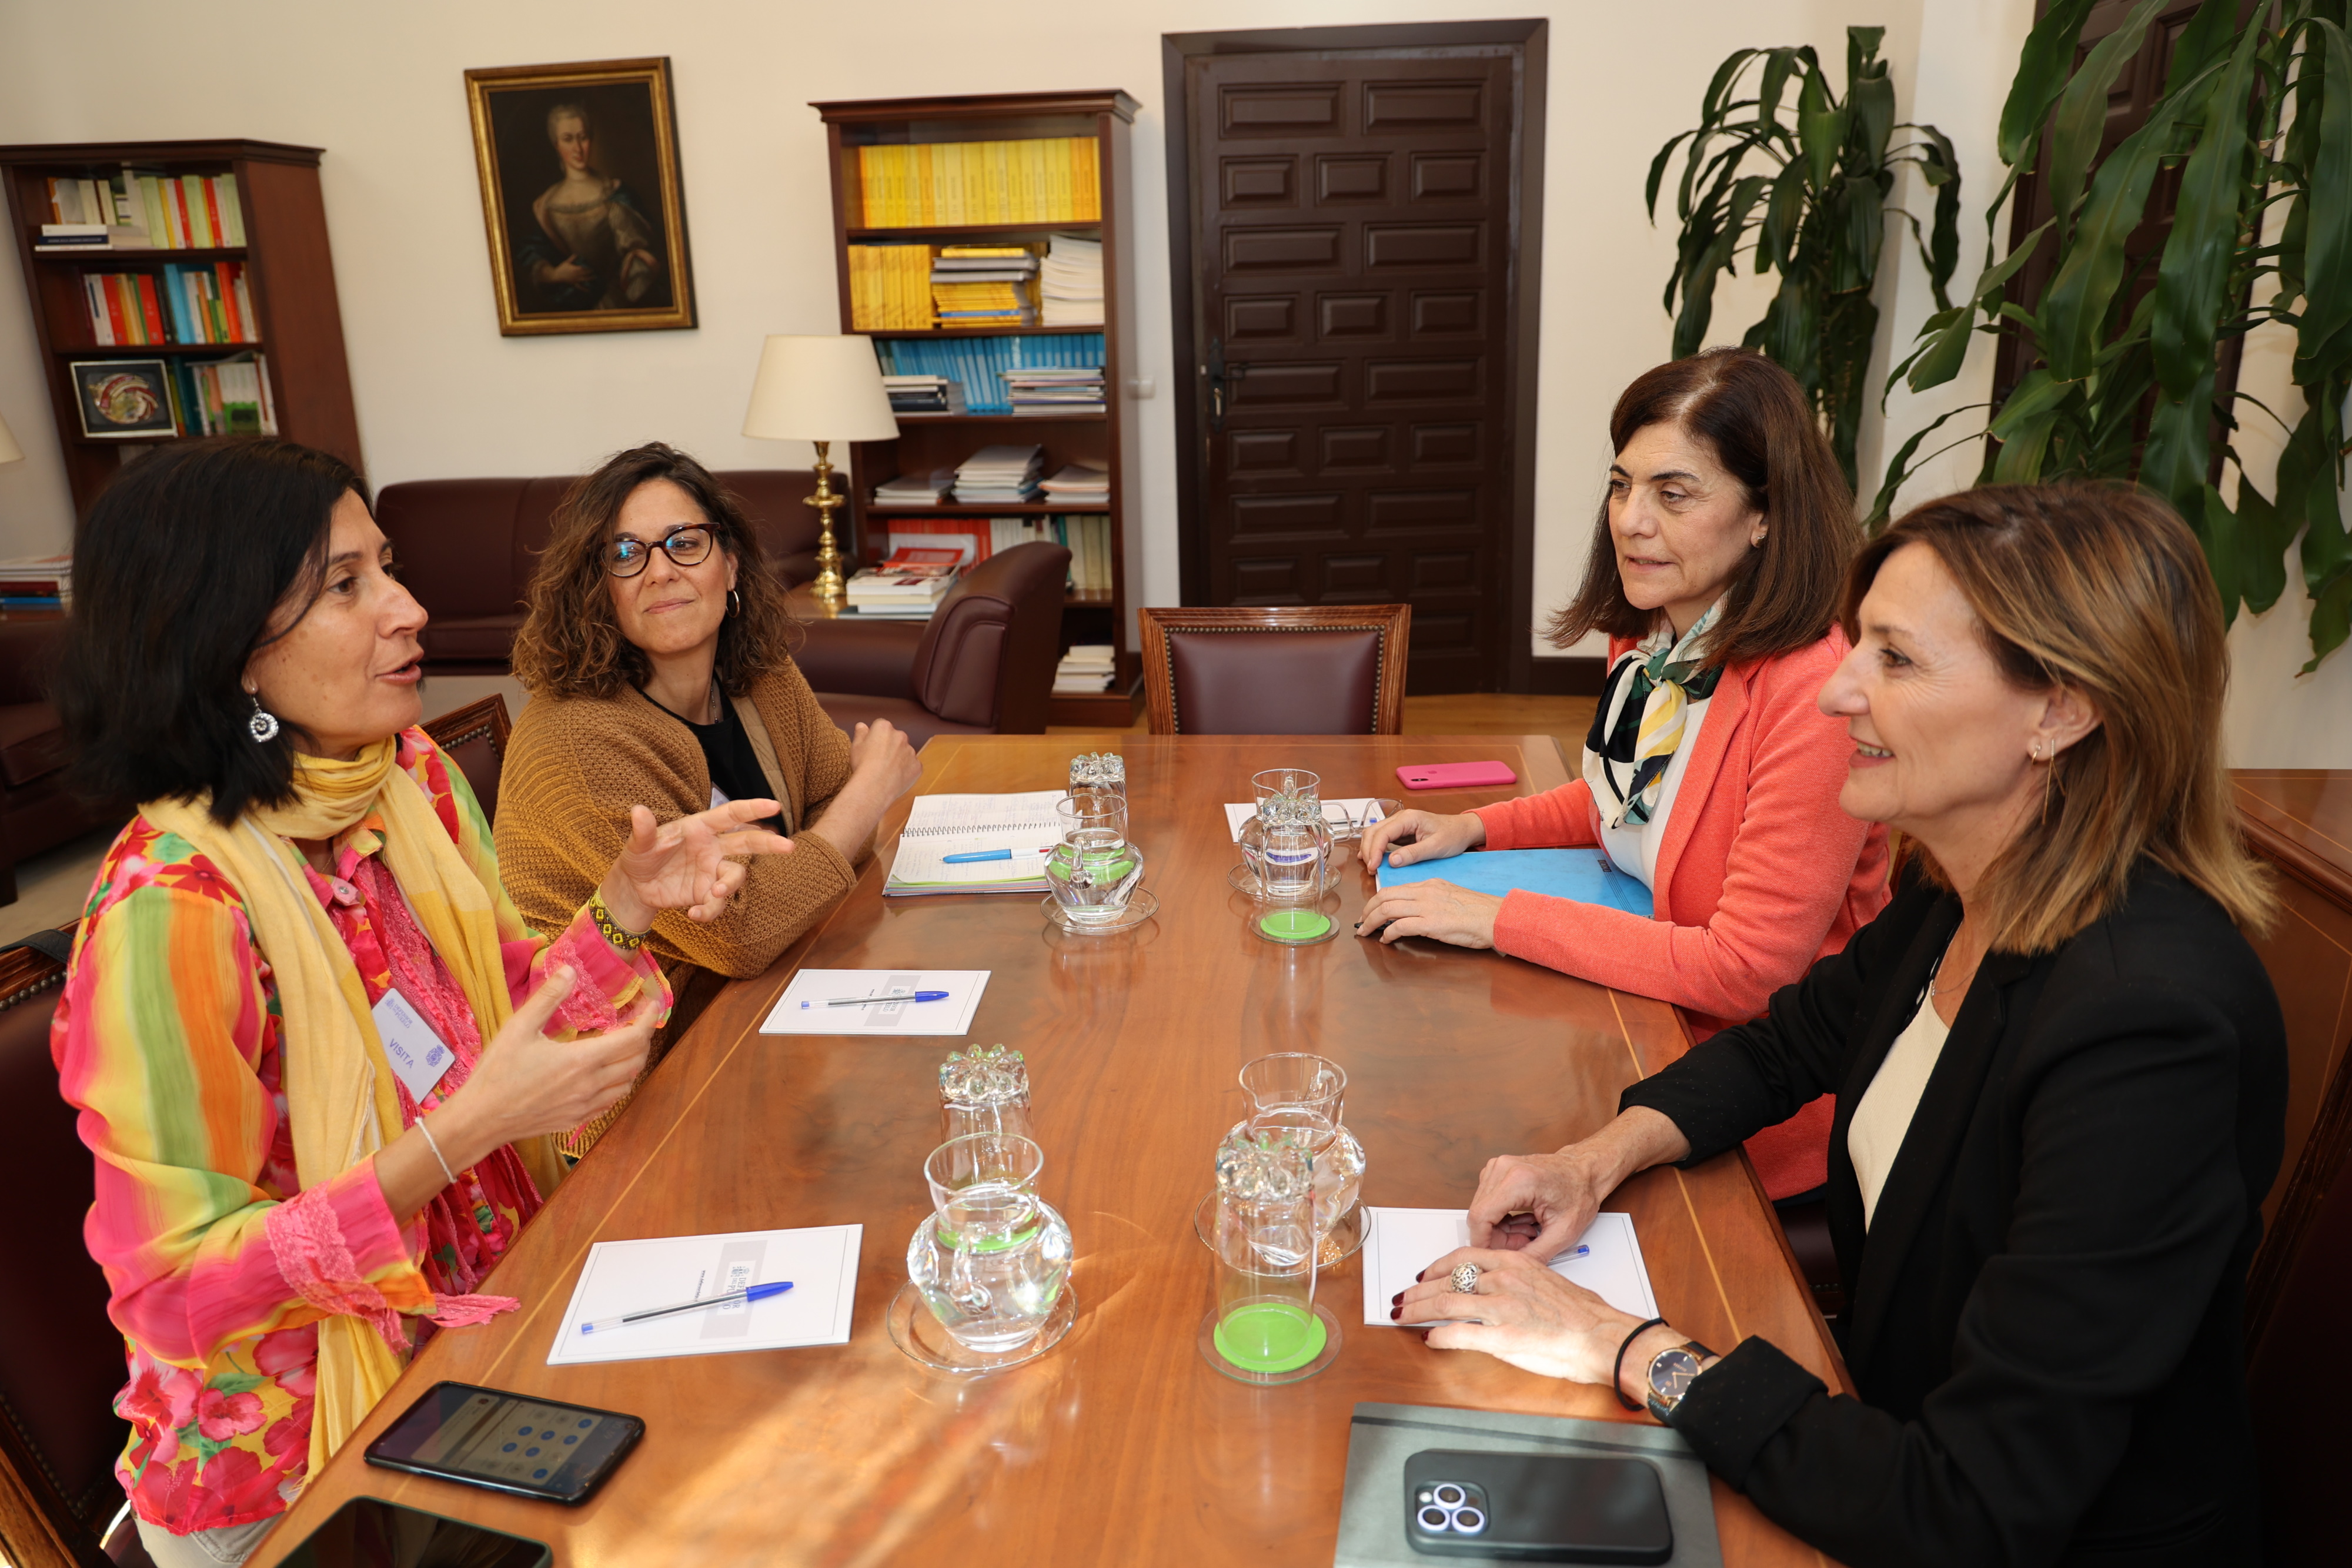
[{"x": 340, "y": 1091}]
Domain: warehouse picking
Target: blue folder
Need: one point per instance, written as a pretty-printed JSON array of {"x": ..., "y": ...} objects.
[{"x": 1580, "y": 874}]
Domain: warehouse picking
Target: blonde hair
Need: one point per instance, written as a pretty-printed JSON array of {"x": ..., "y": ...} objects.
[{"x": 2104, "y": 592}]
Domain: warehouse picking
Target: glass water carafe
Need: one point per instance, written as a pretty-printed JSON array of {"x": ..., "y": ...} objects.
[
  {"x": 1288, "y": 847},
  {"x": 993, "y": 1256},
  {"x": 1305, "y": 1095},
  {"x": 1094, "y": 871}
]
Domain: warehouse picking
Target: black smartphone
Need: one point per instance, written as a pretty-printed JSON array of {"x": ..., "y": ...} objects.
[
  {"x": 1536, "y": 1507},
  {"x": 366, "y": 1533},
  {"x": 508, "y": 1442}
]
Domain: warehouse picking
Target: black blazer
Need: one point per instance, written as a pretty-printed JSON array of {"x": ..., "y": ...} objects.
[{"x": 2045, "y": 1326}]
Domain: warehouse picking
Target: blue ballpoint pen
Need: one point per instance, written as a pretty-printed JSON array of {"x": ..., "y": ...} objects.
[
  {"x": 893, "y": 996},
  {"x": 749, "y": 1294},
  {"x": 978, "y": 855}
]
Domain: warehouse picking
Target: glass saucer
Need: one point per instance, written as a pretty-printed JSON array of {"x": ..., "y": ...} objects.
[
  {"x": 1345, "y": 1240},
  {"x": 1140, "y": 908},
  {"x": 1250, "y": 1346},
  {"x": 920, "y": 1338}
]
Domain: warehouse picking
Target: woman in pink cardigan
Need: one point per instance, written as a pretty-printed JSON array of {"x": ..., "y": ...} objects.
[{"x": 1708, "y": 773}]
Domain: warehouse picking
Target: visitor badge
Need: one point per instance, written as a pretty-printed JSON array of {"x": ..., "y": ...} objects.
[{"x": 416, "y": 1052}]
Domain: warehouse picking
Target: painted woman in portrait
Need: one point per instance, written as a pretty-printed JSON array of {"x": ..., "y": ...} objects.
[{"x": 592, "y": 248}]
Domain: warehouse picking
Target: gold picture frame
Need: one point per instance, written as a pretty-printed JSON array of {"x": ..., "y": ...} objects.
[{"x": 582, "y": 196}]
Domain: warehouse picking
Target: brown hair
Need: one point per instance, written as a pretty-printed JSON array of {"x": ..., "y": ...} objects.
[
  {"x": 571, "y": 643},
  {"x": 1755, "y": 417},
  {"x": 2104, "y": 592}
]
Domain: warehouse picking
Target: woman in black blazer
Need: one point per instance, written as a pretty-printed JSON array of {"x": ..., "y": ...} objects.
[{"x": 2061, "y": 1080}]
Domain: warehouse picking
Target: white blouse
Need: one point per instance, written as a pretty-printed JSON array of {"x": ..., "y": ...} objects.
[{"x": 1883, "y": 1120}]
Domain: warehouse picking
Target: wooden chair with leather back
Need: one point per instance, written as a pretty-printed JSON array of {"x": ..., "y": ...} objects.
[
  {"x": 1320, "y": 669},
  {"x": 475, "y": 737},
  {"x": 60, "y": 1358}
]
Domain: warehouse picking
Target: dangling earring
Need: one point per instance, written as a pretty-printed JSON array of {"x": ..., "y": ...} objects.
[
  {"x": 263, "y": 725},
  {"x": 734, "y": 602}
]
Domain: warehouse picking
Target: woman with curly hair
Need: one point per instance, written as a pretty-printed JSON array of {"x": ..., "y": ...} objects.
[{"x": 656, "y": 651}]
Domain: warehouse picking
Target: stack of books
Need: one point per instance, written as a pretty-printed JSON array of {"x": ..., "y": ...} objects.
[
  {"x": 983, "y": 286},
  {"x": 923, "y": 394},
  {"x": 906, "y": 587},
  {"x": 1052, "y": 389},
  {"x": 37, "y": 588},
  {"x": 1087, "y": 669},
  {"x": 193, "y": 305},
  {"x": 999, "y": 475},
  {"x": 1079, "y": 484},
  {"x": 143, "y": 211},
  {"x": 915, "y": 489},
  {"x": 951, "y": 184},
  {"x": 889, "y": 287},
  {"x": 977, "y": 362},
  {"x": 1071, "y": 282}
]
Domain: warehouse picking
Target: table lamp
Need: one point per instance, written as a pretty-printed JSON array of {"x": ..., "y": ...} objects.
[{"x": 821, "y": 390}]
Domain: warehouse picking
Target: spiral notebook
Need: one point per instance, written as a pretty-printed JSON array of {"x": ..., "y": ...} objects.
[{"x": 944, "y": 825}]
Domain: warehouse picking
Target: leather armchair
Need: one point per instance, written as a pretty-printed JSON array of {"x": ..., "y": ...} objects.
[
  {"x": 468, "y": 548},
  {"x": 983, "y": 664},
  {"x": 36, "y": 810}
]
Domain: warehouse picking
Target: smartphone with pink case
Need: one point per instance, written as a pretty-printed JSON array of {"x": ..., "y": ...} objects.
[{"x": 1455, "y": 775}]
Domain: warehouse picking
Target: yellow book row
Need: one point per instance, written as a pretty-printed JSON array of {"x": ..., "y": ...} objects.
[
  {"x": 889, "y": 287},
  {"x": 947, "y": 185}
]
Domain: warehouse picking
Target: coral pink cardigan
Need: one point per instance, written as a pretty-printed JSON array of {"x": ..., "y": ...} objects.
[{"x": 1759, "y": 874}]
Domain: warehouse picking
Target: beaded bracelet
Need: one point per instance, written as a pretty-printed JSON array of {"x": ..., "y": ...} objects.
[
  {"x": 623, "y": 941},
  {"x": 1617, "y": 1371}
]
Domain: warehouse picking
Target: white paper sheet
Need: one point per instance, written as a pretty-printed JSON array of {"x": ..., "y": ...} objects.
[
  {"x": 950, "y": 1015},
  {"x": 943, "y": 825},
  {"x": 629, "y": 1276},
  {"x": 1338, "y": 813},
  {"x": 1402, "y": 1243}
]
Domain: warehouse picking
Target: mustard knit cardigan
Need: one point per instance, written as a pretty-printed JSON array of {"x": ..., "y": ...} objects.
[{"x": 575, "y": 765}]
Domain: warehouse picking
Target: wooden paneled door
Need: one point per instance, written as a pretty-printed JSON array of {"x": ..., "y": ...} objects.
[{"x": 1354, "y": 219}]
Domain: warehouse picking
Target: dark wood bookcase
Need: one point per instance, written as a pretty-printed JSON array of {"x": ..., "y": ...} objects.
[
  {"x": 290, "y": 273},
  {"x": 930, "y": 441}
]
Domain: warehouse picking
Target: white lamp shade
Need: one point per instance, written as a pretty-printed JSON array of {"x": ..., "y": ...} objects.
[
  {"x": 9, "y": 450},
  {"x": 819, "y": 388}
]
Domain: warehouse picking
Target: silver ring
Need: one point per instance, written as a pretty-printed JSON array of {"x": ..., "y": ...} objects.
[{"x": 1466, "y": 1277}]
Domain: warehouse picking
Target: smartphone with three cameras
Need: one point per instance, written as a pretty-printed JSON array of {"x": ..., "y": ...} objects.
[{"x": 1536, "y": 1507}]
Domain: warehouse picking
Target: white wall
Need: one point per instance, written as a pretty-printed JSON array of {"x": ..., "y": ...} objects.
[{"x": 440, "y": 394}]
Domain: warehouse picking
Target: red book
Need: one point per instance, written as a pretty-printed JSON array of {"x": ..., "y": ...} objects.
[
  {"x": 225, "y": 281},
  {"x": 178, "y": 198},
  {"x": 114, "y": 321},
  {"x": 212, "y": 210},
  {"x": 152, "y": 309}
]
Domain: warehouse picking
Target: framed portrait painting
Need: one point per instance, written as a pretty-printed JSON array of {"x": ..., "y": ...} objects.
[{"x": 582, "y": 196}]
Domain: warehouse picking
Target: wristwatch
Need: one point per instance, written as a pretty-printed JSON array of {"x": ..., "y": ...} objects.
[{"x": 1670, "y": 1375}]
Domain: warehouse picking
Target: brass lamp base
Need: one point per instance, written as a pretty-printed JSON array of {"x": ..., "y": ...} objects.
[{"x": 829, "y": 588}]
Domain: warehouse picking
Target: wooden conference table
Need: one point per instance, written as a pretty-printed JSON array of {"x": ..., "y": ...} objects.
[{"x": 1120, "y": 1444}]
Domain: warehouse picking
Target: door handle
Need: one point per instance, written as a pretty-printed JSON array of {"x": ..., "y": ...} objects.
[{"x": 1219, "y": 372}]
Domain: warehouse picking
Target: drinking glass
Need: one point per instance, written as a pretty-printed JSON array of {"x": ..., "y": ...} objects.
[
  {"x": 984, "y": 1089},
  {"x": 991, "y": 1258},
  {"x": 1094, "y": 871},
  {"x": 1265, "y": 1327},
  {"x": 1288, "y": 781},
  {"x": 1100, "y": 770},
  {"x": 1288, "y": 848}
]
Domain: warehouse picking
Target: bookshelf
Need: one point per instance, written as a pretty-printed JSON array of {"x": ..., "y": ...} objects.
[
  {"x": 1107, "y": 438},
  {"x": 297, "y": 330}
]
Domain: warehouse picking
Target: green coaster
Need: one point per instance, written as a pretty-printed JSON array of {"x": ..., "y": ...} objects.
[
  {"x": 1295, "y": 924},
  {"x": 1270, "y": 1336}
]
